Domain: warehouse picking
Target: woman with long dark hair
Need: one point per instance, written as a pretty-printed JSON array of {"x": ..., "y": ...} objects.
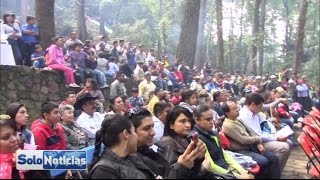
[
  {"x": 118, "y": 136},
  {"x": 116, "y": 105},
  {"x": 19, "y": 114}
]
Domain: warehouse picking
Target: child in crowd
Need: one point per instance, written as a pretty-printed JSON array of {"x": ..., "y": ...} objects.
[{"x": 38, "y": 57}]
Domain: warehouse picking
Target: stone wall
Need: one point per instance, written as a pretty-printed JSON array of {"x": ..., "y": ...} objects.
[{"x": 32, "y": 87}]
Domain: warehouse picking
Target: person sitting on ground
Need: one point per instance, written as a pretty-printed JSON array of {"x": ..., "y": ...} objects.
[
  {"x": 91, "y": 87},
  {"x": 38, "y": 57},
  {"x": 113, "y": 68},
  {"x": 135, "y": 100},
  {"x": 157, "y": 97},
  {"x": 117, "y": 86}
]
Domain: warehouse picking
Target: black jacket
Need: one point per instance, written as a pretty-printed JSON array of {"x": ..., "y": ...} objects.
[
  {"x": 112, "y": 166},
  {"x": 176, "y": 147},
  {"x": 160, "y": 166},
  {"x": 214, "y": 149}
]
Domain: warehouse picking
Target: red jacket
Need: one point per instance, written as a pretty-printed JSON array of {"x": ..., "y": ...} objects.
[
  {"x": 47, "y": 138},
  {"x": 283, "y": 111},
  {"x": 178, "y": 76}
]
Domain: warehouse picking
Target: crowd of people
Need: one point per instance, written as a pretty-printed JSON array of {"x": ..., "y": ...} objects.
[{"x": 168, "y": 127}]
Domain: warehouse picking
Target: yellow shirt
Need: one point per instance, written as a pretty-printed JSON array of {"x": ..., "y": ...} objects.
[
  {"x": 145, "y": 88},
  {"x": 152, "y": 102}
]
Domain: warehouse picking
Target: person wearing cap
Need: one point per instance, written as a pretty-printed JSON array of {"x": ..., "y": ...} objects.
[
  {"x": 103, "y": 43},
  {"x": 146, "y": 86},
  {"x": 273, "y": 84},
  {"x": 89, "y": 120},
  {"x": 138, "y": 73}
]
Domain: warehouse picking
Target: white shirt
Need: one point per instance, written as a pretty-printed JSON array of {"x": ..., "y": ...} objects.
[
  {"x": 253, "y": 122},
  {"x": 90, "y": 125},
  {"x": 9, "y": 30},
  {"x": 158, "y": 128}
]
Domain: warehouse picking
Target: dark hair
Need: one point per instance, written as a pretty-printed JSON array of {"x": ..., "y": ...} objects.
[
  {"x": 94, "y": 83},
  {"x": 55, "y": 39},
  {"x": 200, "y": 109},
  {"x": 109, "y": 132},
  {"x": 225, "y": 108},
  {"x": 186, "y": 94},
  {"x": 30, "y": 18},
  {"x": 112, "y": 59},
  {"x": 159, "y": 107},
  {"x": 114, "y": 42},
  {"x": 37, "y": 46},
  {"x": 47, "y": 107},
  {"x": 119, "y": 73},
  {"x": 124, "y": 97},
  {"x": 254, "y": 98},
  {"x": 100, "y": 54},
  {"x": 112, "y": 101},
  {"x": 172, "y": 117},
  {"x": 68, "y": 93},
  {"x": 136, "y": 118},
  {"x": 87, "y": 42},
  {"x": 156, "y": 90},
  {"x": 12, "y": 111},
  {"x": 216, "y": 95},
  {"x": 134, "y": 90},
  {"x": 5, "y": 18}
]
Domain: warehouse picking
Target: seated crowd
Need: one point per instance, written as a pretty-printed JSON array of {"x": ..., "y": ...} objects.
[{"x": 168, "y": 127}]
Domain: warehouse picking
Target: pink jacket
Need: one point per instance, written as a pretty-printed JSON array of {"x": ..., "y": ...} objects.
[{"x": 55, "y": 55}]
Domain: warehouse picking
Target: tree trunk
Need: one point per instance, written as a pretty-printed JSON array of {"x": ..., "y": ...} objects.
[
  {"x": 81, "y": 23},
  {"x": 286, "y": 39},
  {"x": 261, "y": 38},
  {"x": 209, "y": 41},
  {"x": 220, "y": 51},
  {"x": 45, "y": 18},
  {"x": 255, "y": 33},
  {"x": 201, "y": 48},
  {"x": 231, "y": 43},
  {"x": 300, "y": 36},
  {"x": 189, "y": 31},
  {"x": 240, "y": 40},
  {"x": 160, "y": 30},
  {"x": 103, "y": 8}
]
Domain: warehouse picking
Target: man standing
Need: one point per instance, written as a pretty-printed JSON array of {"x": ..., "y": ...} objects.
[
  {"x": 73, "y": 40},
  {"x": 30, "y": 35},
  {"x": 117, "y": 86},
  {"x": 249, "y": 114}
]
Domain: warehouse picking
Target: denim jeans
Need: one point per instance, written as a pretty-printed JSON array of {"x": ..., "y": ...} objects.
[
  {"x": 101, "y": 78},
  {"x": 16, "y": 51},
  {"x": 38, "y": 64}
]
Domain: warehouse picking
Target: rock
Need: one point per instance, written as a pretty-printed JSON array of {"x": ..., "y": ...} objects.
[
  {"x": 12, "y": 95},
  {"x": 11, "y": 86},
  {"x": 36, "y": 88},
  {"x": 54, "y": 97},
  {"x": 22, "y": 87},
  {"x": 53, "y": 87},
  {"x": 28, "y": 82},
  {"x": 44, "y": 90},
  {"x": 36, "y": 79}
]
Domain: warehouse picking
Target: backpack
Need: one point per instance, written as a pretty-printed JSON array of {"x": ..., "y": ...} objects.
[{"x": 46, "y": 57}]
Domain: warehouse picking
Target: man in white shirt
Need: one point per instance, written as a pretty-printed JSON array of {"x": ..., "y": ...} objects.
[
  {"x": 161, "y": 111},
  {"x": 89, "y": 120},
  {"x": 249, "y": 114}
]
